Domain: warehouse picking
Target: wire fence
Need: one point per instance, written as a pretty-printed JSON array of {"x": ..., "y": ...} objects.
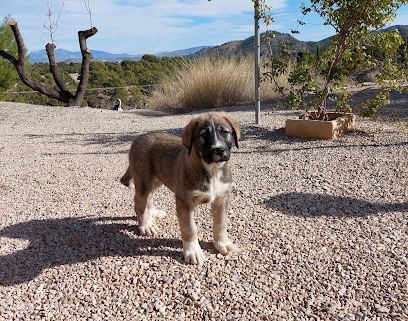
[{"x": 91, "y": 89}]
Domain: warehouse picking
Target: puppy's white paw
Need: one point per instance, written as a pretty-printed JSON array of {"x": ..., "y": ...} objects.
[
  {"x": 152, "y": 230},
  {"x": 148, "y": 228},
  {"x": 226, "y": 247},
  {"x": 158, "y": 214},
  {"x": 193, "y": 253}
]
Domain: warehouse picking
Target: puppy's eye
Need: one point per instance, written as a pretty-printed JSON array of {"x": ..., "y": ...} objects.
[
  {"x": 225, "y": 132},
  {"x": 203, "y": 134}
]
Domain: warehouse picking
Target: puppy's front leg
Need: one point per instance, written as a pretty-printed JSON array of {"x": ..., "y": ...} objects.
[
  {"x": 219, "y": 209},
  {"x": 189, "y": 235}
]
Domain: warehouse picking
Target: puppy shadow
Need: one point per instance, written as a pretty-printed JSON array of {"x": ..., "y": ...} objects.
[{"x": 56, "y": 242}]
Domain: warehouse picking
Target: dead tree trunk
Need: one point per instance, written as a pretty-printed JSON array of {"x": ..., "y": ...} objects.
[{"x": 62, "y": 94}]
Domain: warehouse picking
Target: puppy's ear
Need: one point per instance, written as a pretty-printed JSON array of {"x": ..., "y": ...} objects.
[
  {"x": 188, "y": 135},
  {"x": 236, "y": 132}
]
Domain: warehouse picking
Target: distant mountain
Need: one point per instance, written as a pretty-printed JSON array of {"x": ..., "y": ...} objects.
[
  {"x": 231, "y": 48},
  {"x": 182, "y": 52},
  {"x": 75, "y": 56},
  {"x": 63, "y": 55},
  {"x": 246, "y": 47},
  {"x": 402, "y": 29}
]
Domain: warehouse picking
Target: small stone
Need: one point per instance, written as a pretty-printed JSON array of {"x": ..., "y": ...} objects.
[
  {"x": 381, "y": 308},
  {"x": 342, "y": 291},
  {"x": 210, "y": 275},
  {"x": 195, "y": 296},
  {"x": 158, "y": 305},
  {"x": 355, "y": 303},
  {"x": 275, "y": 276},
  {"x": 162, "y": 310}
]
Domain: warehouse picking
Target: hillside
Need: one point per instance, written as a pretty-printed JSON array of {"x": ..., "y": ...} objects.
[
  {"x": 231, "y": 48},
  {"x": 245, "y": 47},
  {"x": 402, "y": 29}
]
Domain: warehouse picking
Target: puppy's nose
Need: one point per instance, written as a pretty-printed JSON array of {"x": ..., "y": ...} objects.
[{"x": 219, "y": 151}]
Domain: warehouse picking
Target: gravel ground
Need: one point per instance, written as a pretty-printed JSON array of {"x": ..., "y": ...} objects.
[{"x": 322, "y": 225}]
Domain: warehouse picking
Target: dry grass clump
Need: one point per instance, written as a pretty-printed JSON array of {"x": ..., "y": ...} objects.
[{"x": 207, "y": 83}]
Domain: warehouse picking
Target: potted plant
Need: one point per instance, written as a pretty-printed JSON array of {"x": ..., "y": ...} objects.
[{"x": 314, "y": 79}]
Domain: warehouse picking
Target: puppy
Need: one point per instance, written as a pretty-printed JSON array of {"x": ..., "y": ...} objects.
[{"x": 196, "y": 168}]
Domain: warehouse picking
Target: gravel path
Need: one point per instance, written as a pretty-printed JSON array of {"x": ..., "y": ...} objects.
[{"x": 323, "y": 225}]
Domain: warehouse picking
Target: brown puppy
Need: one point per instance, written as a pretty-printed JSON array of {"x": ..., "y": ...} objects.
[{"x": 196, "y": 168}]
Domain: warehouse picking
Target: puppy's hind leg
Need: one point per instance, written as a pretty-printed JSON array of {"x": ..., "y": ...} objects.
[
  {"x": 144, "y": 216},
  {"x": 156, "y": 214}
]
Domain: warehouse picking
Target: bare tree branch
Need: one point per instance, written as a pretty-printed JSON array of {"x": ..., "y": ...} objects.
[
  {"x": 88, "y": 8},
  {"x": 49, "y": 48},
  {"x": 53, "y": 25},
  {"x": 86, "y": 61},
  {"x": 9, "y": 57}
]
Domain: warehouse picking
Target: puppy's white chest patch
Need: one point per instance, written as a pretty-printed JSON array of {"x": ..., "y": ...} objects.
[{"x": 216, "y": 187}]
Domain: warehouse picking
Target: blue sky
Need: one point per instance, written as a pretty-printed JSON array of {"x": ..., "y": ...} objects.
[{"x": 141, "y": 26}]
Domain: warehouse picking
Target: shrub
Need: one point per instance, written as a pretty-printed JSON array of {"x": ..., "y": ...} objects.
[{"x": 207, "y": 83}]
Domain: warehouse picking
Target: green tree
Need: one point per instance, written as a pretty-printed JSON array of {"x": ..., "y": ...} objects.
[
  {"x": 105, "y": 84},
  {"x": 355, "y": 23},
  {"x": 8, "y": 75}
]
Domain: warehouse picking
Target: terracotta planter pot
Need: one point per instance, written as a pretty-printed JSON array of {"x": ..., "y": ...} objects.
[{"x": 337, "y": 125}]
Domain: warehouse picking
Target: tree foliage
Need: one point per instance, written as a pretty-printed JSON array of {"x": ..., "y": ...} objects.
[
  {"x": 356, "y": 44},
  {"x": 130, "y": 80},
  {"x": 8, "y": 75}
]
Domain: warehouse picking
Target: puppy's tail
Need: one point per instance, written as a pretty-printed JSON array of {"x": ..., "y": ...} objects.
[{"x": 125, "y": 180}]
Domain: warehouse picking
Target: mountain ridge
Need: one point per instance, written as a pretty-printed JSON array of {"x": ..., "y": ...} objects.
[
  {"x": 230, "y": 48},
  {"x": 63, "y": 55},
  {"x": 245, "y": 47}
]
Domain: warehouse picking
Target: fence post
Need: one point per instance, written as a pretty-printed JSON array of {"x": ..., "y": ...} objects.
[{"x": 257, "y": 65}]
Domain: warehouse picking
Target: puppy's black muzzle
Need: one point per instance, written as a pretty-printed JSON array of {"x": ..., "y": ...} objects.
[
  {"x": 219, "y": 151},
  {"x": 220, "y": 154}
]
